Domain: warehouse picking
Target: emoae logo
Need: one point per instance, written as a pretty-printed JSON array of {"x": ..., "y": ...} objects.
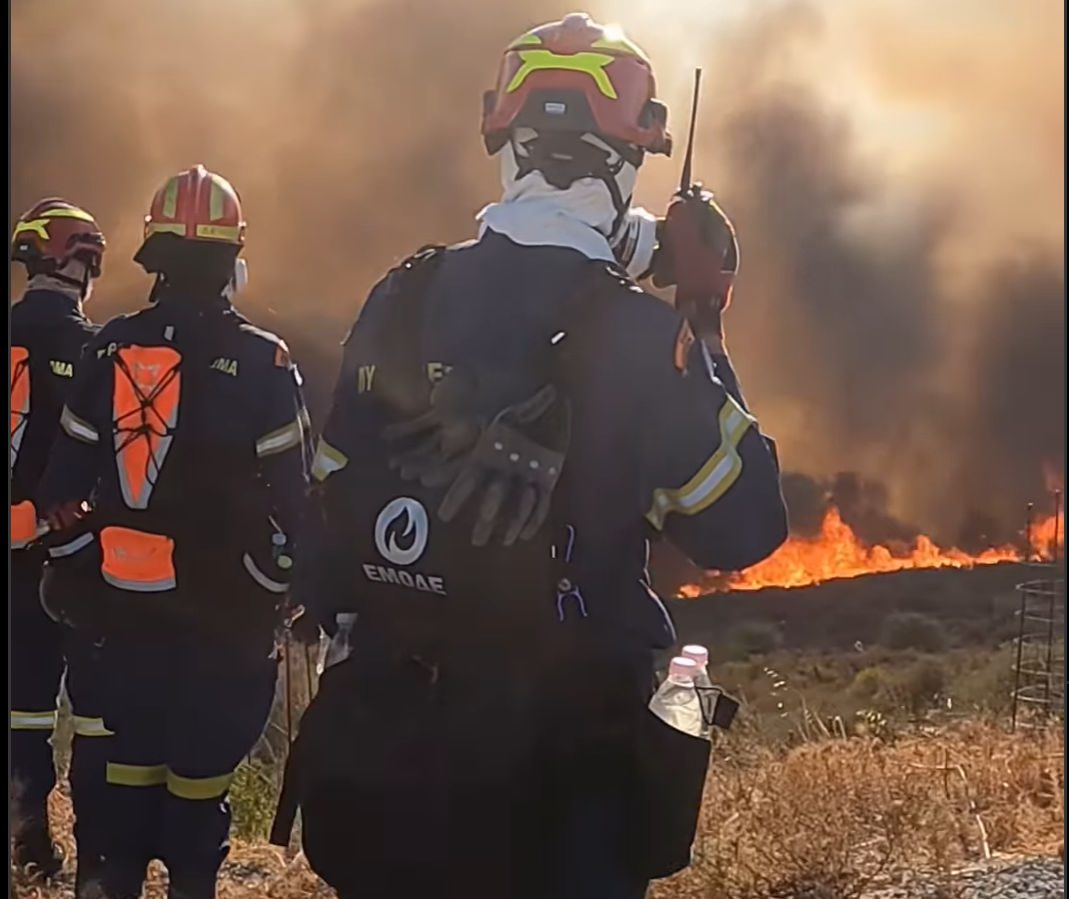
[{"x": 401, "y": 533}]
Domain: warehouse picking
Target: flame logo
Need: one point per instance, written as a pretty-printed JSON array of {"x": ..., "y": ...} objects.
[{"x": 401, "y": 531}]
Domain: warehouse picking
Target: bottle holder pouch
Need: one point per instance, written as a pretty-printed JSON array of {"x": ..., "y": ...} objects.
[
  {"x": 718, "y": 709},
  {"x": 670, "y": 778}
]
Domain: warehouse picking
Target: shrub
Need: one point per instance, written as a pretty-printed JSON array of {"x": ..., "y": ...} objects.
[
  {"x": 869, "y": 682},
  {"x": 988, "y": 685},
  {"x": 753, "y": 638},
  {"x": 912, "y": 630},
  {"x": 920, "y": 685}
]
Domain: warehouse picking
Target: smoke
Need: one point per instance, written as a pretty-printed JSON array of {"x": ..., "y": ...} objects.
[
  {"x": 863, "y": 504},
  {"x": 897, "y": 181},
  {"x": 896, "y": 175},
  {"x": 349, "y": 128}
]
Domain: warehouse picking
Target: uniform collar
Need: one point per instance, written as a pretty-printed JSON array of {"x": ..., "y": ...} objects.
[
  {"x": 185, "y": 304},
  {"x": 49, "y": 297}
]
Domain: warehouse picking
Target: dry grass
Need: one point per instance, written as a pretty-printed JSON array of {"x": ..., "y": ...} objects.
[
  {"x": 824, "y": 820},
  {"x": 254, "y": 870},
  {"x": 827, "y": 820}
]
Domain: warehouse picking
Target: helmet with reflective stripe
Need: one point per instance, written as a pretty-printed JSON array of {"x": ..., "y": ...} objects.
[
  {"x": 195, "y": 208},
  {"x": 197, "y": 205},
  {"x": 52, "y": 232},
  {"x": 576, "y": 75}
]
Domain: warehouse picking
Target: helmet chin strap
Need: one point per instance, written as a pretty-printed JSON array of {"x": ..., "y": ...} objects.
[{"x": 238, "y": 281}]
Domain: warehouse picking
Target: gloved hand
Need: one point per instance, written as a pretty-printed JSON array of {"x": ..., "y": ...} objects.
[
  {"x": 515, "y": 470},
  {"x": 511, "y": 459},
  {"x": 66, "y": 515},
  {"x": 435, "y": 442},
  {"x": 699, "y": 254}
]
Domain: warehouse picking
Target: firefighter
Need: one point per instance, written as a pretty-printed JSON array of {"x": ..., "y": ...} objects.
[
  {"x": 62, "y": 248},
  {"x": 185, "y": 433},
  {"x": 514, "y": 420}
]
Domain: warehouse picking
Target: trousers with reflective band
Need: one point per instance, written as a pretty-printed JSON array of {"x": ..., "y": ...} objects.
[
  {"x": 185, "y": 715},
  {"x": 23, "y": 524},
  {"x": 36, "y": 668},
  {"x": 145, "y": 405},
  {"x": 137, "y": 560},
  {"x": 160, "y": 775}
]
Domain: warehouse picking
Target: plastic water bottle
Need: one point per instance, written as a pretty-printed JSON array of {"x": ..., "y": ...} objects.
[
  {"x": 676, "y": 703},
  {"x": 720, "y": 709},
  {"x": 700, "y": 656}
]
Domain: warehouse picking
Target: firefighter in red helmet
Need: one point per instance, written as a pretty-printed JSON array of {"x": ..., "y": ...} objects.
[
  {"x": 61, "y": 247},
  {"x": 514, "y": 420},
  {"x": 186, "y": 434}
]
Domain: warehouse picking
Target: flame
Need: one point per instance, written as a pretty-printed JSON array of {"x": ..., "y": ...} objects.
[
  {"x": 837, "y": 552},
  {"x": 1045, "y": 535}
]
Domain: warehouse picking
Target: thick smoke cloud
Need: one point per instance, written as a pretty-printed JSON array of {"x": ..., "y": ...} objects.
[
  {"x": 901, "y": 312},
  {"x": 898, "y": 314}
]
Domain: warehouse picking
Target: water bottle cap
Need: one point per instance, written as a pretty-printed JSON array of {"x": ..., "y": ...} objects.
[
  {"x": 683, "y": 668},
  {"x": 699, "y": 654}
]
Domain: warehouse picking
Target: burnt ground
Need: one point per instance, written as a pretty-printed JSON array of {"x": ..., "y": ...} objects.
[{"x": 977, "y": 607}]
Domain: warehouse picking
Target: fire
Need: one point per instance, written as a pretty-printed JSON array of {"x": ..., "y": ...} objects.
[
  {"x": 1046, "y": 534},
  {"x": 837, "y": 552}
]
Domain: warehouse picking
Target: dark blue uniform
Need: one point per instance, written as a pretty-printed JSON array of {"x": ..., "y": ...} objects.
[
  {"x": 187, "y": 429},
  {"x": 48, "y": 331},
  {"x": 537, "y": 656}
]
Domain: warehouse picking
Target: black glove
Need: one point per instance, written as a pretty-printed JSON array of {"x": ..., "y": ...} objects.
[
  {"x": 66, "y": 515},
  {"x": 511, "y": 460},
  {"x": 514, "y": 471},
  {"x": 436, "y": 441},
  {"x": 699, "y": 254}
]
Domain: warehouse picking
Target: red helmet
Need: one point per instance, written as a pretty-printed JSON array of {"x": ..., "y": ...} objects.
[
  {"x": 576, "y": 75},
  {"x": 194, "y": 207},
  {"x": 53, "y": 232}
]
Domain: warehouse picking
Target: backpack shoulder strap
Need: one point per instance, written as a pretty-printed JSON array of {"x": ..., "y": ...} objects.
[{"x": 407, "y": 287}]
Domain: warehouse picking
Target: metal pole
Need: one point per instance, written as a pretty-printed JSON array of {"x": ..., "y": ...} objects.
[
  {"x": 1017, "y": 666},
  {"x": 1049, "y": 666},
  {"x": 1057, "y": 523},
  {"x": 289, "y": 692},
  {"x": 308, "y": 672},
  {"x": 1028, "y": 533}
]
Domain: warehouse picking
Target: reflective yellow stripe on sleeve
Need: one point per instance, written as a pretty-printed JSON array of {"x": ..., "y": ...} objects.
[
  {"x": 77, "y": 428},
  {"x": 198, "y": 787},
  {"x": 285, "y": 438},
  {"x": 714, "y": 478},
  {"x": 328, "y": 459},
  {"x": 91, "y": 727},
  {"x": 136, "y": 775},
  {"x": 33, "y": 720}
]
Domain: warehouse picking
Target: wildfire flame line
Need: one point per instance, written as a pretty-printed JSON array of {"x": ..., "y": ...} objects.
[{"x": 837, "y": 552}]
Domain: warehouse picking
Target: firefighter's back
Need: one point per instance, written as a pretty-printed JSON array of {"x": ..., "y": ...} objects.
[{"x": 178, "y": 403}]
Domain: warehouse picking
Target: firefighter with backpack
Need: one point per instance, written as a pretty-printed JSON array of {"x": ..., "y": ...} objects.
[
  {"x": 514, "y": 420},
  {"x": 184, "y": 436},
  {"x": 62, "y": 248}
]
